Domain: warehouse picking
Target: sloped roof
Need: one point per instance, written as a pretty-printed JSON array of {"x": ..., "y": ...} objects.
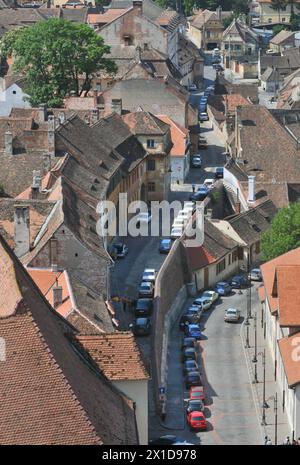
[
  {"x": 150, "y": 8},
  {"x": 245, "y": 32},
  {"x": 250, "y": 224},
  {"x": 179, "y": 136},
  {"x": 143, "y": 122},
  {"x": 117, "y": 355},
  {"x": 215, "y": 246},
  {"x": 50, "y": 395},
  {"x": 288, "y": 350},
  {"x": 268, "y": 273},
  {"x": 106, "y": 17},
  {"x": 281, "y": 37},
  {"x": 287, "y": 290},
  {"x": 38, "y": 212}
]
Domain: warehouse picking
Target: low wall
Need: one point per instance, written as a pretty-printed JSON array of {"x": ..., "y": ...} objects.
[{"x": 170, "y": 293}]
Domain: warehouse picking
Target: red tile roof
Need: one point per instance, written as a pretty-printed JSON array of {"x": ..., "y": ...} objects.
[
  {"x": 289, "y": 350},
  {"x": 179, "y": 136},
  {"x": 287, "y": 280},
  {"x": 234, "y": 100},
  {"x": 268, "y": 273},
  {"x": 106, "y": 17},
  {"x": 46, "y": 280},
  {"x": 48, "y": 393},
  {"x": 117, "y": 355}
]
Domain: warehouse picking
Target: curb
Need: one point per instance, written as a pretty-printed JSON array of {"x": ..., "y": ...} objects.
[{"x": 253, "y": 389}]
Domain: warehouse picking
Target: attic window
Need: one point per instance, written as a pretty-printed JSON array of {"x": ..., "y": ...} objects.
[
  {"x": 255, "y": 227},
  {"x": 248, "y": 122}
]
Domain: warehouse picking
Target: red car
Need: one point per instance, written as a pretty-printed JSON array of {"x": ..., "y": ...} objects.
[
  {"x": 197, "y": 393},
  {"x": 196, "y": 420}
]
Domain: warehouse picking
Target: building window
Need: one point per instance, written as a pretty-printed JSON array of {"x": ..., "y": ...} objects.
[
  {"x": 270, "y": 20},
  {"x": 151, "y": 186},
  {"x": 221, "y": 266},
  {"x": 150, "y": 165},
  {"x": 283, "y": 20},
  {"x": 150, "y": 143},
  {"x": 234, "y": 256},
  {"x": 127, "y": 40}
]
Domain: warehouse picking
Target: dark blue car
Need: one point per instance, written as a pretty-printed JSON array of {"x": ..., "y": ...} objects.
[
  {"x": 165, "y": 245},
  {"x": 239, "y": 281},
  {"x": 193, "y": 330},
  {"x": 223, "y": 288}
]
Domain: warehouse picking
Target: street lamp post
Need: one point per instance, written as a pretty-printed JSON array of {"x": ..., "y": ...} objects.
[
  {"x": 254, "y": 360},
  {"x": 263, "y": 420},
  {"x": 266, "y": 405}
]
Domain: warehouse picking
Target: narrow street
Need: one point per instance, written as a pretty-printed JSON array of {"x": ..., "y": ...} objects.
[{"x": 230, "y": 410}]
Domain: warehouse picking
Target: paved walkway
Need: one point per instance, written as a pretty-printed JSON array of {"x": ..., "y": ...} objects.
[{"x": 271, "y": 387}]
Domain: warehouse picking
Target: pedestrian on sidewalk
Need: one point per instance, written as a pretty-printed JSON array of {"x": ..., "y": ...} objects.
[
  {"x": 193, "y": 188},
  {"x": 287, "y": 441},
  {"x": 268, "y": 441}
]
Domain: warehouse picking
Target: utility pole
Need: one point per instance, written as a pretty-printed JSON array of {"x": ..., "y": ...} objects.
[
  {"x": 276, "y": 419},
  {"x": 254, "y": 360},
  {"x": 263, "y": 421}
]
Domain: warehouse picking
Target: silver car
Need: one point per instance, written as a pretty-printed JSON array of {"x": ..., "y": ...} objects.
[
  {"x": 255, "y": 274},
  {"x": 231, "y": 315}
]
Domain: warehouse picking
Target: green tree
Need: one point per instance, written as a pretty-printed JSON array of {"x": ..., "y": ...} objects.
[
  {"x": 228, "y": 20},
  {"x": 276, "y": 29},
  {"x": 278, "y": 5},
  {"x": 284, "y": 233},
  {"x": 188, "y": 6},
  {"x": 56, "y": 57}
]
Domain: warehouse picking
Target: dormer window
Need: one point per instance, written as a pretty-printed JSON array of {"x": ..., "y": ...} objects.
[{"x": 150, "y": 143}]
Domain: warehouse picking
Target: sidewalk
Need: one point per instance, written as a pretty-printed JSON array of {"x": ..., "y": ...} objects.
[{"x": 271, "y": 387}]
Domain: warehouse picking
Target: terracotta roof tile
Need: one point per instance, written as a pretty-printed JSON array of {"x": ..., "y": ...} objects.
[
  {"x": 179, "y": 136},
  {"x": 106, "y": 17},
  {"x": 48, "y": 393},
  {"x": 287, "y": 289},
  {"x": 117, "y": 355},
  {"x": 268, "y": 273},
  {"x": 289, "y": 354}
]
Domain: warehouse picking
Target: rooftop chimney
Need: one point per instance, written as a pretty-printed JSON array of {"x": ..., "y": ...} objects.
[
  {"x": 251, "y": 188},
  {"x": 51, "y": 135},
  {"x": 8, "y": 139},
  {"x": 21, "y": 230},
  {"x": 36, "y": 183},
  {"x": 95, "y": 115},
  {"x": 116, "y": 105},
  {"x": 42, "y": 115},
  {"x": 57, "y": 295},
  {"x": 137, "y": 6},
  {"x": 138, "y": 54}
]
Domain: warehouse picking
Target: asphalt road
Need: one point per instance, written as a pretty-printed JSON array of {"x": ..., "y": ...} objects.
[{"x": 230, "y": 409}]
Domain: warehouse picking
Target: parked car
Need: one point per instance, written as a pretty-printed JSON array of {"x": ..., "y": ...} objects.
[
  {"x": 197, "y": 393},
  {"x": 193, "y": 378},
  {"x": 189, "y": 353},
  {"x": 270, "y": 51},
  {"x": 195, "y": 406},
  {"x": 166, "y": 440},
  {"x": 196, "y": 311},
  {"x": 143, "y": 218},
  {"x": 199, "y": 195},
  {"x": 185, "y": 320},
  {"x": 203, "y": 191},
  {"x": 165, "y": 246},
  {"x": 219, "y": 173},
  {"x": 208, "y": 183},
  {"x": 190, "y": 365},
  {"x": 204, "y": 302},
  {"x": 202, "y": 143},
  {"x": 203, "y": 116},
  {"x": 143, "y": 307},
  {"x": 120, "y": 250},
  {"x": 189, "y": 206},
  {"x": 196, "y": 162},
  {"x": 232, "y": 315},
  {"x": 193, "y": 87},
  {"x": 188, "y": 342},
  {"x": 141, "y": 327},
  {"x": 206, "y": 93},
  {"x": 149, "y": 275},
  {"x": 223, "y": 288},
  {"x": 196, "y": 421},
  {"x": 255, "y": 274},
  {"x": 146, "y": 289},
  {"x": 193, "y": 330},
  {"x": 176, "y": 232},
  {"x": 239, "y": 281},
  {"x": 210, "y": 295}
]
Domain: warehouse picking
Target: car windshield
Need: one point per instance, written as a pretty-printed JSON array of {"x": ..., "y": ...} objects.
[
  {"x": 165, "y": 242},
  {"x": 206, "y": 294},
  {"x": 197, "y": 418},
  {"x": 222, "y": 285},
  {"x": 194, "y": 327},
  {"x": 143, "y": 303},
  {"x": 231, "y": 312},
  {"x": 141, "y": 321}
]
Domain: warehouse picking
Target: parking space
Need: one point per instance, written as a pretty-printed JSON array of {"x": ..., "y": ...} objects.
[{"x": 229, "y": 406}]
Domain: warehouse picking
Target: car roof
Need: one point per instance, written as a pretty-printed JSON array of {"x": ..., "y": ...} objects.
[
  {"x": 166, "y": 240},
  {"x": 231, "y": 310}
]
